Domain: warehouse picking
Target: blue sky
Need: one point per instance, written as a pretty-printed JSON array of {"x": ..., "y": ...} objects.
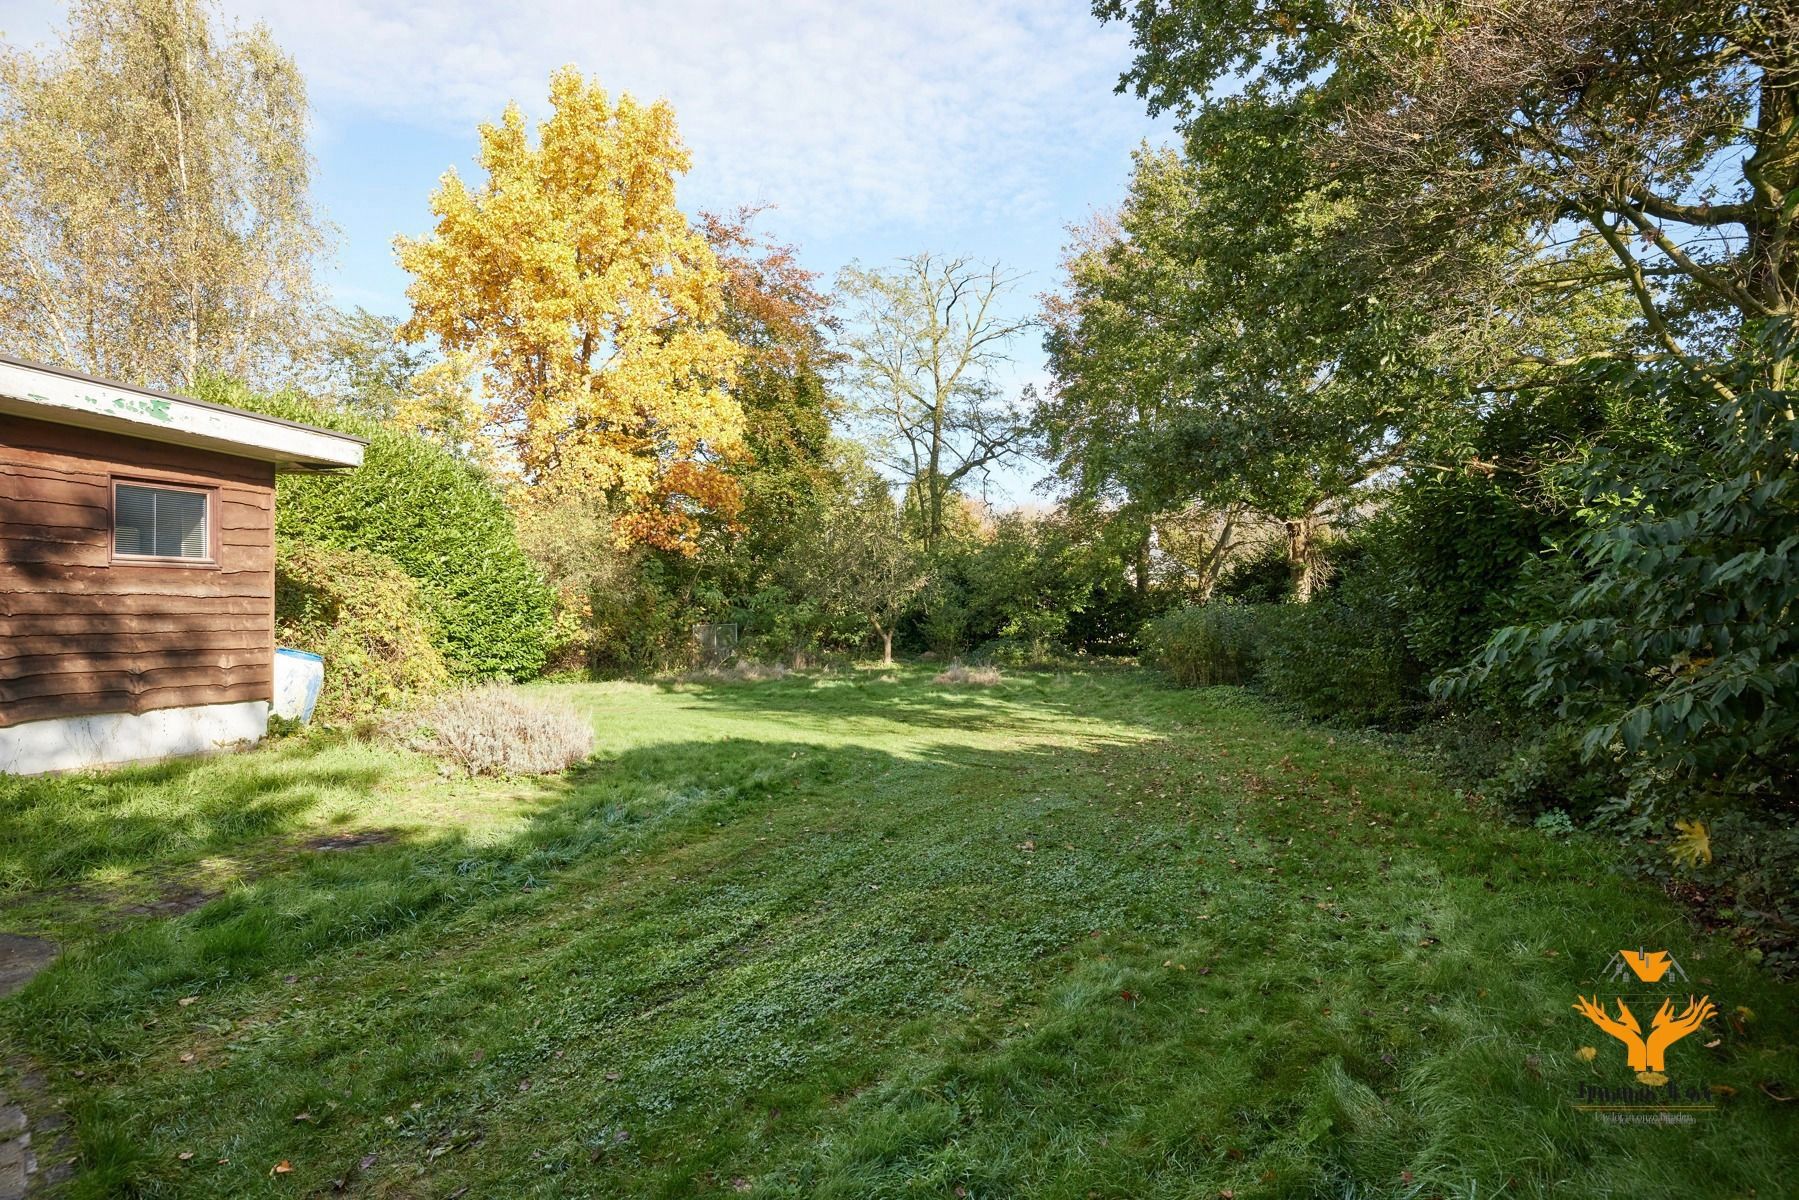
[{"x": 874, "y": 129}]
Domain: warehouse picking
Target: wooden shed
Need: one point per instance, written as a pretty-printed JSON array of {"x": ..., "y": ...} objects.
[{"x": 137, "y": 568}]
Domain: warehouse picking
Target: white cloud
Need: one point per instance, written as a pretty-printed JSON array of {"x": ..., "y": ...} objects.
[{"x": 934, "y": 111}]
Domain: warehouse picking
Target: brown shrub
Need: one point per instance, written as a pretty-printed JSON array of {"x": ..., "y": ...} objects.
[
  {"x": 496, "y": 729},
  {"x": 968, "y": 676}
]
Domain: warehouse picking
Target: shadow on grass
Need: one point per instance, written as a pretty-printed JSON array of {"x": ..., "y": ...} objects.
[
  {"x": 687, "y": 929},
  {"x": 908, "y": 696},
  {"x": 61, "y": 829}
]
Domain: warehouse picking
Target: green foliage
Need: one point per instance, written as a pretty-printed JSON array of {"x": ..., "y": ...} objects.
[
  {"x": 366, "y": 618},
  {"x": 1674, "y": 644},
  {"x": 1341, "y": 657},
  {"x": 1262, "y": 576},
  {"x": 918, "y": 920},
  {"x": 856, "y": 568},
  {"x": 1669, "y": 649},
  {"x": 441, "y": 520},
  {"x": 1207, "y": 644}
]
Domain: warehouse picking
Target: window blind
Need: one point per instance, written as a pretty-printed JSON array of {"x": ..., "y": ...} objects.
[{"x": 159, "y": 522}]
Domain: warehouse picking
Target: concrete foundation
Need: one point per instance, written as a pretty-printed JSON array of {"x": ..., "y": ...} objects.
[{"x": 69, "y": 743}]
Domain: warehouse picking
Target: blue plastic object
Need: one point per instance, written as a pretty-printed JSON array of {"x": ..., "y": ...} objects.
[{"x": 299, "y": 677}]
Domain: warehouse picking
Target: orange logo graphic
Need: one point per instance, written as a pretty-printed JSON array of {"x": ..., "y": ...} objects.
[
  {"x": 1648, "y": 1053},
  {"x": 1648, "y": 967}
]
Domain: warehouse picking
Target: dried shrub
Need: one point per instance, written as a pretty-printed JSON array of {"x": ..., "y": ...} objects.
[
  {"x": 495, "y": 729},
  {"x": 959, "y": 673}
]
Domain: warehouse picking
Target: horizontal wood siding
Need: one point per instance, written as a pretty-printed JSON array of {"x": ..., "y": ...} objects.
[{"x": 81, "y": 634}]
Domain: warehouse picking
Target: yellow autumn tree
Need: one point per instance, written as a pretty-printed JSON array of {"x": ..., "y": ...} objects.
[{"x": 593, "y": 305}]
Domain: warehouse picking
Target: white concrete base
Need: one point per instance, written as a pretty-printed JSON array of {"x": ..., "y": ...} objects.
[{"x": 68, "y": 743}]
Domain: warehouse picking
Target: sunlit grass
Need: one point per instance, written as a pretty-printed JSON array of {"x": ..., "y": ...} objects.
[{"x": 1066, "y": 936}]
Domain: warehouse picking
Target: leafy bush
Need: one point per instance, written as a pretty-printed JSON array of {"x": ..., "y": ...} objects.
[
  {"x": 1341, "y": 657},
  {"x": 1207, "y": 644},
  {"x": 1672, "y": 656},
  {"x": 494, "y": 729},
  {"x": 362, "y": 615},
  {"x": 438, "y": 518}
]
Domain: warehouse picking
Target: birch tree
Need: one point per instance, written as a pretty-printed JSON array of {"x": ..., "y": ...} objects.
[{"x": 155, "y": 212}]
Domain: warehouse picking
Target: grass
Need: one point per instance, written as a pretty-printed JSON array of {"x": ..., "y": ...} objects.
[{"x": 860, "y": 935}]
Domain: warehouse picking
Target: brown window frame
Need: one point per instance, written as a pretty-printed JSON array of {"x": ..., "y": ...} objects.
[{"x": 209, "y": 563}]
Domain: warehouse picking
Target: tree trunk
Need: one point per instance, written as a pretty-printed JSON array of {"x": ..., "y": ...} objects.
[
  {"x": 1213, "y": 565},
  {"x": 1141, "y": 565},
  {"x": 886, "y": 646},
  {"x": 1302, "y": 556}
]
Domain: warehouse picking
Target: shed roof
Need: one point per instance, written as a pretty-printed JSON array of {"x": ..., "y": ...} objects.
[{"x": 43, "y": 393}]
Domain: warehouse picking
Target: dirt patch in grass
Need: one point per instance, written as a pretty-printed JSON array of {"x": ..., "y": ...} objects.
[
  {"x": 21, "y": 958},
  {"x": 171, "y": 904},
  {"x": 351, "y": 841}
]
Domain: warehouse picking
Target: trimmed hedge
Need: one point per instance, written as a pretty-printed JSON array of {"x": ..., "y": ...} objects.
[
  {"x": 365, "y": 617},
  {"x": 438, "y": 518}
]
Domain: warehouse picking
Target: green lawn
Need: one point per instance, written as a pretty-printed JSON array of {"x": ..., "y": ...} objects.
[{"x": 858, "y": 936}]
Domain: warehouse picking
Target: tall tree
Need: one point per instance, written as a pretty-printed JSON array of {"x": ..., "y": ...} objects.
[
  {"x": 775, "y": 310},
  {"x": 155, "y": 215},
  {"x": 594, "y": 307},
  {"x": 1219, "y": 350},
  {"x": 1667, "y": 130},
  {"x": 922, "y": 342}
]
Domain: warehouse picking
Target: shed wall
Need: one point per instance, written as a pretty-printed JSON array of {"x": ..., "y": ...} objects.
[{"x": 82, "y": 634}]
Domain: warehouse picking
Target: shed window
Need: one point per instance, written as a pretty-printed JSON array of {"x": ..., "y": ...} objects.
[{"x": 160, "y": 522}]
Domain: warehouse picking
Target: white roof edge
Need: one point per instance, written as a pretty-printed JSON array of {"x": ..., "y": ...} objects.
[{"x": 49, "y": 394}]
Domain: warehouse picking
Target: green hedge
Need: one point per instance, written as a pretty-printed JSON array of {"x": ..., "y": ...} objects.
[
  {"x": 1206, "y": 644},
  {"x": 1340, "y": 658},
  {"x": 366, "y": 618},
  {"x": 438, "y": 518}
]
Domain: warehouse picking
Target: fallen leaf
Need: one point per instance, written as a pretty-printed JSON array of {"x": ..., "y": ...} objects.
[
  {"x": 186, "y": 1000},
  {"x": 1651, "y": 1078},
  {"x": 282, "y": 1168},
  {"x": 1586, "y": 1054},
  {"x": 368, "y": 1160},
  {"x": 305, "y": 1116},
  {"x": 188, "y": 1057},
  {"x": 185, "y": 1155}
]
